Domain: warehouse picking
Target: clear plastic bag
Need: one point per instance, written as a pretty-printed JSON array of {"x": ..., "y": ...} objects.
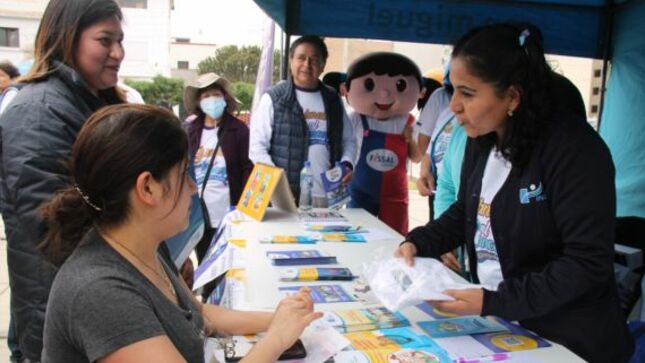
[{"x": 398, "y": 285}]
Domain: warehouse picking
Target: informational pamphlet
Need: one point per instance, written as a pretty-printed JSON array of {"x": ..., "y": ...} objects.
[
  {"x": 266, "y": 184},
  {"x": 316, "y": 274},
  {"x": 288, "y": 239},
  {"x": 460, "y": 326},
  {"x": 391, "y": 345},
  {"x": 321, "y": 216},
  {"x": 513, "y": 340},
  {"x": 334, "y": 228},
  {"x": 304, "y": 257},
  {"x": 353, "y": 320},
  {"x": 321, "y": 293},
  {"x": 336, "y": 191},
  {"x": 434, "y": 312},
  {"x": 343, "y": 237}
]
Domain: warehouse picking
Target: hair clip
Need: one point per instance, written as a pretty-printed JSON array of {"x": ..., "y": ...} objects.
[
  {"x": 523, "y": 35},
  {"x": 86, "y": 198}
]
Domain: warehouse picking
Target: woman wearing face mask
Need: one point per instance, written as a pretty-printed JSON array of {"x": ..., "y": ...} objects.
[
  {"x": 77, "y": 55},
  {"x": 218, "y": 143}
]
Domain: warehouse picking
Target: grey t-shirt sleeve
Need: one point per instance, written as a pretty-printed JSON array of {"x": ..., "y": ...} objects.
[{"x": 111, "y": 314}]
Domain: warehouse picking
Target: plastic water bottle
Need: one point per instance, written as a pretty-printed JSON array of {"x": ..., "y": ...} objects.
[{"x": 306, "y": 187}]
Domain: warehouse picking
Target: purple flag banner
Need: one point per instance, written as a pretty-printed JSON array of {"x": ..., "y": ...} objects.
[{"x": 265, "y": 69}]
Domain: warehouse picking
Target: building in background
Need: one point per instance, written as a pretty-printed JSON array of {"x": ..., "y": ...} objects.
[
  {"x": 186, "y": 55},
  {"x": 18, "y": 26},
  {"x": 146, "y": 24}
]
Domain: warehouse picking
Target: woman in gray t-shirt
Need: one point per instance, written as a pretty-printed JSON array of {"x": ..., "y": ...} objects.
[{"x": 117, "y": 297}]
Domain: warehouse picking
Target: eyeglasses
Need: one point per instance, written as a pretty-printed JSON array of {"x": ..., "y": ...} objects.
[{"x": 303, "y": 58}]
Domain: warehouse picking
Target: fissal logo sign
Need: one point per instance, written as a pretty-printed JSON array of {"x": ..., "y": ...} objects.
[{"x": 382, "y": 160}]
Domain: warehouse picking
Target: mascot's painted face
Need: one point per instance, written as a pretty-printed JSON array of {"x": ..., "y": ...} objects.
[{"x": 383, "y": 96}]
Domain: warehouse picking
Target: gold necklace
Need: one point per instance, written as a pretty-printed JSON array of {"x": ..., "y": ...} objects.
[{"x": 163, "y": 276}]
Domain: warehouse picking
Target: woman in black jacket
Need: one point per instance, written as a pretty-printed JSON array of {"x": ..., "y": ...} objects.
[
  {"x": 78, "y": 53},
  {"x": 536, "y": 206}
]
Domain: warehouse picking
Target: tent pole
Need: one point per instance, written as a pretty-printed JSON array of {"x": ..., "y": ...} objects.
[
  {"x": 609, "y": 12},
  {"x": 284, "y": 70}
]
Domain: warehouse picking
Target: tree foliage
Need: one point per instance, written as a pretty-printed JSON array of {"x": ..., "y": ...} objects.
[
  {"x": 244, "y": 93},
  {"x": 160, "y": 91},
  {"x": 238, "y": 64}
]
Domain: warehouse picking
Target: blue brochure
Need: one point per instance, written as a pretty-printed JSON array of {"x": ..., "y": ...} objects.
[
  {"x": 321, "y": 294},
  {"x": 460, "y": 326},
  {"x": 305, "y": 257}
]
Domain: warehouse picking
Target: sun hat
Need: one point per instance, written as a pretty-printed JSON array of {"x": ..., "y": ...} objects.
[{"x": 202, "y": 82}]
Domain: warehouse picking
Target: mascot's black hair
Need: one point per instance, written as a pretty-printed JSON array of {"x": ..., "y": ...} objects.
[{"x": 380, "y": 63}]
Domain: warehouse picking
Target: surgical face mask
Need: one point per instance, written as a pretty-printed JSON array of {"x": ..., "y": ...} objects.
[{"x": 213, "y": 106}]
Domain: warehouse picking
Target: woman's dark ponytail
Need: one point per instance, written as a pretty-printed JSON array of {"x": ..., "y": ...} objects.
[
  {"x": 116, "y": 145},
  {"x": 68, "y": 218}
]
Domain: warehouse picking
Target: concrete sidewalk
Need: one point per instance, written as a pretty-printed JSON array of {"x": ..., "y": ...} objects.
[{"x": 418, "y": 216}]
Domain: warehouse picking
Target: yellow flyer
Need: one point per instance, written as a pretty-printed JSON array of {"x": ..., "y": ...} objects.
[{"x": 266, "y": 184}]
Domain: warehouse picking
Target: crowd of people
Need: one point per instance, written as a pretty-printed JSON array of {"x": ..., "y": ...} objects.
[{"x": 91, "y": 186}]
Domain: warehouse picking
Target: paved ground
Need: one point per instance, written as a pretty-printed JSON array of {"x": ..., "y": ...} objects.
[{"x": 418, "y": 216}]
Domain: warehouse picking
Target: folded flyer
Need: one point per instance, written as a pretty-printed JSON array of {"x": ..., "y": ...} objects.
[
  {"x": 336, "y": 191},
  {"x": 460, "y": 326},
  {"x": 333, "y": 228},
  {"x": 513, "y": 340},
  {"x": 316, "y": 274},
  {"x": 304, "y": 257},
  {"x": 321, "y": 294},
  {"x": 343, "y": 237},
  {"x": 321, "y": 216},
  {"x": 353, "y": 320},
  {"x": 287, "y": 239}
]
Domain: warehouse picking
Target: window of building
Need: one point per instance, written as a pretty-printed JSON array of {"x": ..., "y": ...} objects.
[
  {"x": 596, "y": 73},
  {"x": 594, "y": 108},
  {"x": 137, "y": 4},
  {"x": 9, "y": 37},
  {"x": 596, "y": 91},
  {"x": 182, "y": 65}
]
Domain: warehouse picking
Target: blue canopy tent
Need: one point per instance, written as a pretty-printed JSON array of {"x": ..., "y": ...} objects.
[{"x": 602, "y": 29}]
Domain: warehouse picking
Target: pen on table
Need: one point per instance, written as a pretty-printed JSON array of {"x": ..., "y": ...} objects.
[{"x": 490, "y": 358}]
